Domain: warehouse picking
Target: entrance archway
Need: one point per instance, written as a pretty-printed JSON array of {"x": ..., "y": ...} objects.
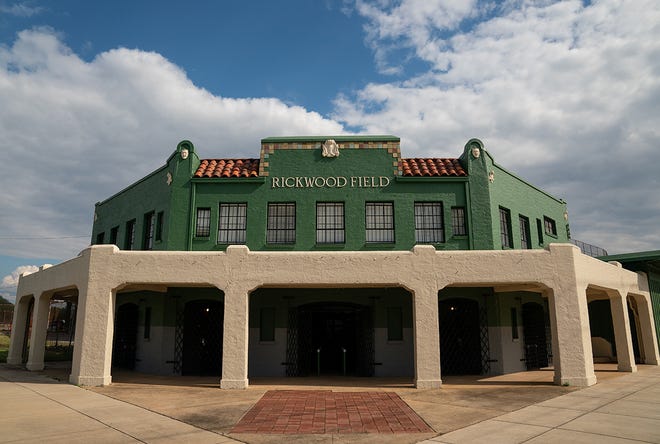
[
  {"x": 125, "y": 337},
  {"x": 460, "y": 348},
  {"x": 202, "y": 338},
  {"x": 536, "y": 350},
  {"x": 330, "y": 338}
]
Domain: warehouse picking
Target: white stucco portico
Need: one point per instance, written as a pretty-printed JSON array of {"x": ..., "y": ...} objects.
[{"x": 560, "y": 273}]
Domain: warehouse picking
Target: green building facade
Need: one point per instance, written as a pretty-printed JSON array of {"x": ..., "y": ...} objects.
[
  {"x": 333, "y": 193},
  {"x": 463, "y": 203}
]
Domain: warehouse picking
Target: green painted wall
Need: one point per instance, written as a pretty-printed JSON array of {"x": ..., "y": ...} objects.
[
  {"x": 360, "y": 170},
  {"x": 153, "y": 193},
  {"x": 522, "y": 199},
  {"x": 357, "y": 166}
]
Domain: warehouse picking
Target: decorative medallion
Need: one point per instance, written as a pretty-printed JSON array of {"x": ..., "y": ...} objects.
[
  {"x": 184, "y": 153},
  {"x": 330, "y": 148},
  {"x": 476, "y": 152}
]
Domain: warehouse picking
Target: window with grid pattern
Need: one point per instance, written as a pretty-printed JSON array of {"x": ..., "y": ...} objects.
[
  {"x": 281, "y": 227},
  {"x": 232, "y": 223},
  {"x": 525, "y": 241},
  {"x": 330, "y": 223},
  {"x": 129, "y": 241},
  {"x": 203, "y": 224},
  {"x": 550, "y": 226},
  {"x": 505, "y": 228},
  {"x": 429, "y": 223},
  {"x": 379, "y": 222},
  {"x": 149, "y": 224},
  {"x": 458, "y": 227}
]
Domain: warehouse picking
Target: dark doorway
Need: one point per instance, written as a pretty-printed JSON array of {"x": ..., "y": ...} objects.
[
  {"x": 460, "y": 348},
  {"x": 125, "y": 338},
  {"x": 202, "y": 338},
  {"x": 331, "y": 339},
  {"x": 536, "y": 349}
]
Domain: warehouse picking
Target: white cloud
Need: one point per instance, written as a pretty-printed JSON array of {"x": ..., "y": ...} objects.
[
  {"x": 563, "y": 93},
  {"x": 11, "y": 280},
  {"x": 21, "y": 10},
  {"x": 75, "y": 132},
  {"x": 9, "y": 283}
]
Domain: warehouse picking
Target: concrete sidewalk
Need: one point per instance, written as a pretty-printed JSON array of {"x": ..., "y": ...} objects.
[
  {"x": 36, "y": 408},
  {"x": 621, "y": 408}
]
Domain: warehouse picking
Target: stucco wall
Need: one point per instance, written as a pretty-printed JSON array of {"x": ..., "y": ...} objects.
[{"x": 561, "y": 272}]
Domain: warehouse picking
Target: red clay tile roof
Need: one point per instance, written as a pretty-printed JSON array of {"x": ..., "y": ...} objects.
[
  {"x": 432, "y": 167},
  {"x": 226, "y": 168}
]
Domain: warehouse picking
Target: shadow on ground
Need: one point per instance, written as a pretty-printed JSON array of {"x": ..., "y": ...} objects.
[{"x": 461, "y": 401}]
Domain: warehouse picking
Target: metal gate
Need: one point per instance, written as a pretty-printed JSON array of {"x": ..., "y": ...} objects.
[
  {"x": 202, "y": 338},
  {"x": 125, "y": 337},
  {"x": 536, "y": 351},
  {"x": 309, "y": 348},
  {"x": 460, "y": 337}
]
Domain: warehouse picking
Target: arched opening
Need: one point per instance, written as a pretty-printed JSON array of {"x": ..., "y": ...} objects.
[
  {"x": 28, "y": 331},
  {"x": 460, "y": 345},
  {"x": 330, "y": 332},
  {"x": 332, "y": 339},
  {"x": 202, "y": 338},
  {"x": 125, "y": 338},
  {"x": 534, "y": 334},
  {"x": 633, "y": 316},
  {"x": 603, "y": 343}
]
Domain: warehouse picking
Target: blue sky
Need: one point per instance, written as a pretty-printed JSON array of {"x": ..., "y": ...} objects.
[{"x": 97, "y": 94}]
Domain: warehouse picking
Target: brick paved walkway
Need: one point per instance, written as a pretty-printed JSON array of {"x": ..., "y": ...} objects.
[{"x": 324, "y": 411}]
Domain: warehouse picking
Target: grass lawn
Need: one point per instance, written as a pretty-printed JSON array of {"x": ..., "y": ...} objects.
[
  {"x": 53, "y": 353},
  {"x": 4, "y": 347}
]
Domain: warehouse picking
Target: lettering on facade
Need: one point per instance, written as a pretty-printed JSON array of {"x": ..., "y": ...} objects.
[{"x": 330, "y": 182}]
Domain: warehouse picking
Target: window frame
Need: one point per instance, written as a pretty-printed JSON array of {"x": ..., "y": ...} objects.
[
  {"x": 330, "y": 226},
  {"x": 284, "y": 230},
  {"x": 458, "y": 223},
  {"x": 239, "y": 221},
  {"x": 379, "y": 226},
  {"x": 206, "y": 218},
  {"x": 525, "y": 234},
  {"x": 129, "y": 240},
  {"x": 148, "y": 231},
  {"x": 394, "y": 324},
  {"x": 549, "y": 226},
  {"x": 114, "y": 234},
  {"x": 506, "y": 238},
  {"x": 429, "y": 225},
  {"x": 158, "y": 236}
]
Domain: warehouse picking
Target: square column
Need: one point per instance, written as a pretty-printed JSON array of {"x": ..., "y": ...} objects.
[
  {"x": 624, "y": 349},
  {"x": 18, "y": 330},
  {"x": 427, "y": 337},
  {"x": 235, "y": 339},
  {"x": 92, "y": 351},
  {"x": 38, "y": 333},
  {"x": 570, "y": 319},
  {"x": 648, "y": 340}
]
